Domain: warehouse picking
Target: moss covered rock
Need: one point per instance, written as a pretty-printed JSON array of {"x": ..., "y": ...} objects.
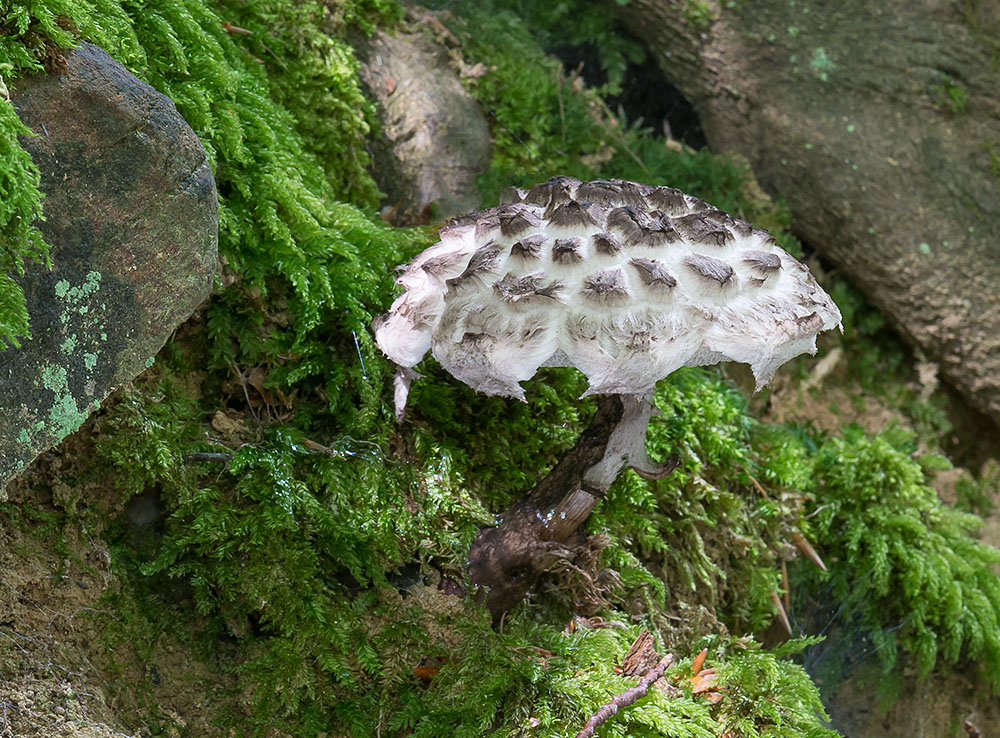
[{"x": 132, "y": 215}]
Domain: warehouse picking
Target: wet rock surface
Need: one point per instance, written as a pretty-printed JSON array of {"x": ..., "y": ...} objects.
[{"x": 131, "y": 214}]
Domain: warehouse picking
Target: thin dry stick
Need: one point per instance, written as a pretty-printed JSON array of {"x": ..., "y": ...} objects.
[{"x": 626, "y": 698}]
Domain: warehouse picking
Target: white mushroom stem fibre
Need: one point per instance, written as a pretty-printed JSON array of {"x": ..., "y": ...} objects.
[{"x": 624, "y": 281}]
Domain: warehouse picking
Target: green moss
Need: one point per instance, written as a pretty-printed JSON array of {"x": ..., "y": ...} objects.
[
  {"x": 20, "y": 240},
  {"x": 949, "y": 94},
  {"x": 307, "y": 555},
  {"x": 993, "y": 155},
  {"x": 905, "y": 568}
]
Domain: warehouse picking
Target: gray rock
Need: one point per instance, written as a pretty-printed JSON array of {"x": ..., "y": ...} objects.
[
  {"x": 131, "y": 213},
  {"x": 434, "y": 139}
]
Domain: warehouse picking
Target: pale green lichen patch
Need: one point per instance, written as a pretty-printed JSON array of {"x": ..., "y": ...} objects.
[
  {"x": 77, "y": 304},
  {"x": 90, "y": 360},
  {"x": 64, "y": 415},
  {"x": 75, "y": 297},
  {"x": 821, "y": 63}
]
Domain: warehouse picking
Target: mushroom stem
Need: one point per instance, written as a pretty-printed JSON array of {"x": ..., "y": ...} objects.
[{"x": 544, "y": 525}]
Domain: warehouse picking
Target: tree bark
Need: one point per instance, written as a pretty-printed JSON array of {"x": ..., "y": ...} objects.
[{"x": 853, "y": 113}]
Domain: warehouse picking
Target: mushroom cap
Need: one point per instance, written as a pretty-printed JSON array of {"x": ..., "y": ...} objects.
[{"x": 624, "y": 281}]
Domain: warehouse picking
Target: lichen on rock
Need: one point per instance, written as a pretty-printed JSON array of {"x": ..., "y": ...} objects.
[{"x": 131, "y": 213}]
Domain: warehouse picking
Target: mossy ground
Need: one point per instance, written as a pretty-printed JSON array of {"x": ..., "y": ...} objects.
[{"x": 317, "y": 561}]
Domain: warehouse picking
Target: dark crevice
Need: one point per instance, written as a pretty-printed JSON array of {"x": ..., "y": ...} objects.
[{"x": 646, "y": 95}]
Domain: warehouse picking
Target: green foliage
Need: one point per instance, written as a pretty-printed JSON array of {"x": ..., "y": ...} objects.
[
  {"x": 20, "y": 240},
  {"x": 766, "y": 696},
  {"x": 281, "y": 226},
  {"x": 949, "y": 94},
  {"x": 543, "y": 124},
  {"x": 700, "y": 13},
  {"x": 703, "y": 531},
  {"x": 286, "y": 542},
  {"x": 903, "y": 566},
  {"x": 568, "y": 23},
  {"x": 992, "y": 148},
  {"x": 293, "y": 553}
]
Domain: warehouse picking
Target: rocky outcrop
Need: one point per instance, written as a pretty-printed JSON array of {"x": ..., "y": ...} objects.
[
  {"x": 879, "y": 125},
  {"x": 434, "y": 140},
  {"x": 131, "y": 213}
]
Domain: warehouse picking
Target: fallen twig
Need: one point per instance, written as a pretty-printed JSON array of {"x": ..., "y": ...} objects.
[{"x": 626, "y": 698}]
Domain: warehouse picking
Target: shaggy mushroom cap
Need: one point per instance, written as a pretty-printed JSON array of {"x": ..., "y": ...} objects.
[{"x": 624, "y": 281}]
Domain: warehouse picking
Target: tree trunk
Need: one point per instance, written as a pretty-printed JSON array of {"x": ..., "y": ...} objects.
[{"x": 879, "y": 125}]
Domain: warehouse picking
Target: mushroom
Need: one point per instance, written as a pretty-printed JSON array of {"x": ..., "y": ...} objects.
[{"x": 624, "y": 281}]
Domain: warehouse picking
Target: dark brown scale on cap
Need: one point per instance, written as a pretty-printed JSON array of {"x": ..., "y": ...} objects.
[
  {"x": 696, "y": 204},
  {"x": 517, "y": 218},
  {"x": 525, "y": 288},
  {"x": 571, "y": 215},
  {"x": 555, "y": 191},
  {"x": 444, "y": 263},
  {"x": 641, "y": 187},
  {"x": 764, "y": 236},
  {"x": 529, "y": 247},
  {"x": 710, "y": 269},
  {"x": 513, "y": 194},
  {"x": 654, "y": 274},
  {"x": 762, "y": 262},
  {"x": 487, "y": 224},
  {"x": 605, "y": 243},
  {"x": 607, "y": 286},
  {"x": 465, "y": 219},
  {"x": 639, "y": 228},
  {"x": 697, "y": 228},
  {"x": 611, "y": 192},
  {"x": 567, "y": 250},
  {"x": 668, "y": 200},
  {"x": 484, "y": 259},
  {"x": 741, "y": 228},
  {"x": 717, "y": 216}
]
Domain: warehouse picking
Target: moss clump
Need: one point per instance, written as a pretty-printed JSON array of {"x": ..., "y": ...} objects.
[
  {"x": 311, "y": 556},
  {"x": 905, "y": 569},
  {"x": 20, "y": 239}
]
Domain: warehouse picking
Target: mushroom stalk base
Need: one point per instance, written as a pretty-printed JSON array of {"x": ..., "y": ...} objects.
[{"x": 543, "y": 527}]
